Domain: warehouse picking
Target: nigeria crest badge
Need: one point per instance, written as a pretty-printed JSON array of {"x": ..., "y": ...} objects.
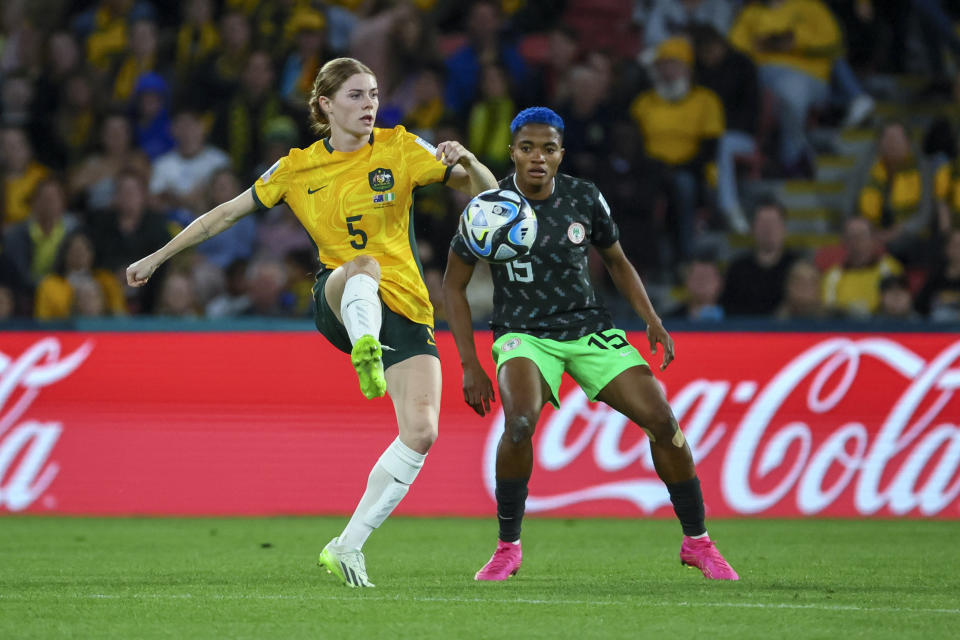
[{"x": 576, "y": 233}]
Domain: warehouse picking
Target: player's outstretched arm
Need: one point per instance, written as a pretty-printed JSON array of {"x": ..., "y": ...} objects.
[
  {"x": 628, "y": 282},
  {"x": 469, "y": 175},
  {"x": 477, "y": 388},
  {"x": 211, "y": 223}
]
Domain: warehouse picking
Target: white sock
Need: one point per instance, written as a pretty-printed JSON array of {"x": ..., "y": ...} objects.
[
  {"x": 360, "y": 307},
  {"x": 389, "y": 481},
  {"x": 702, "y": 535}
]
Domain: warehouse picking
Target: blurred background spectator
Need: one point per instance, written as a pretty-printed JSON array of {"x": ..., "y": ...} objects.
[
  {"x": 755, "y": 281},
  {"x": 151, "y": 112},
  {"x": 802, "y": 293},
  {"x": 852, "y": 288},
  {"x": 242, "y": 123},
  {"x": 940, "y": 297},
  {"x": 797, "y": 44},
  {"x": 63, "y": 292},
  {"x": 33, "y": 244},
  {"x": 266, "y": 283},
  {"x": 897, "y": 193},
  {"x": 680, "y": 123},
  {"x": 896, "y": 301},
  {"x": 488, "y": 127},
  {"x": 688, "y": 114},
  {"x": 485, "y": 44},
  {"x": 178, "y": 297},
  {"x": 234, "y": 300},
  {"x": 589, "y": 116},
  {"x": 703, "y": 286},
  {"x": 127, "y": 231},
  {"x": 308, "y": 29},
  {"x": 237, "y": 242},
  {"x": 664, "y": 19},
  {"x": 93, "y": 181},
  {"x": 21, "y": 174},
  {"x": 197, "y": 38},
  {"x": 8, "y": 305},
  {"x": 733, "y": 77},
  {"x": 180, "y": 176}
]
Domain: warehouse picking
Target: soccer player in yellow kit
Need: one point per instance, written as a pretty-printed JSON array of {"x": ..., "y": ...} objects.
[{"x": 352, "y": 191}]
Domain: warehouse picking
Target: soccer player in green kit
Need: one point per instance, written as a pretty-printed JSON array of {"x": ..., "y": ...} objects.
[{"x": 548, "y": 319}]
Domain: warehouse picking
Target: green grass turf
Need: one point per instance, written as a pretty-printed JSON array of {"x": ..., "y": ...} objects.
[{"x": 257, "y": 578}]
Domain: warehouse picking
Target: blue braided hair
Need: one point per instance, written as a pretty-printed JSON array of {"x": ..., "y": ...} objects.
[{"x": 536, "y": 115}]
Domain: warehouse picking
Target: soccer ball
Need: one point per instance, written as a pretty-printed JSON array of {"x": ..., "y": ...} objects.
[{"x": 498, "y": 226}]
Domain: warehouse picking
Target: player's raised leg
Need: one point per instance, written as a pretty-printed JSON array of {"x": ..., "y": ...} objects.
[
  {"x": 523, "y": 392},
  {"x": 352, "y": 293},
  {"x": 414, "y": 385},
  {"x": 636, "y": 394}
]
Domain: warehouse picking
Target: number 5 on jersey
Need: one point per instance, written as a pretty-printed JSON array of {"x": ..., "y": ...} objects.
[{"x": 361, "y": 240}]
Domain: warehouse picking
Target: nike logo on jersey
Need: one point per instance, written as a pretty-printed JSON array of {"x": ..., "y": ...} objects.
[{"x": 312, "y": 191}]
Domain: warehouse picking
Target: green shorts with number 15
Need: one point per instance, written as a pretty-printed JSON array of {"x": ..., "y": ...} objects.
[{"x": 592, "y": 361}]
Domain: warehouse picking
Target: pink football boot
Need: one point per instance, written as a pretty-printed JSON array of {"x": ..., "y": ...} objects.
[
  {"x": 702, "y": 554},
  {"x": 504, "y": 562}
]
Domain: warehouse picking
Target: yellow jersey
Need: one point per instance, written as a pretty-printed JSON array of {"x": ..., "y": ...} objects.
[
  {"x": 886, "y": 199},
  {"x": 817, "y": 39},
  {"x": 16, "y": 193},
  {"x": 856, "y": 291},
  {"x": 672, "y": 131},
  {"x": 361, "y": 203}
]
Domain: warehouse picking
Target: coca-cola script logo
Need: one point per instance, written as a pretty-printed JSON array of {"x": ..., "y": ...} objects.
[
  {"x": 26, "y": 470},
  {"x": 865, "y": 422}
]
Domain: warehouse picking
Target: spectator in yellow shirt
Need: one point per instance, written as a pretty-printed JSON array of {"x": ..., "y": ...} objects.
[
  {"x": 795, "y": 44},
  {"x": 33, "y": 244},
  {"x": 56, "y": 297},
  {"x": 853, "y": 287},
  {"x": 895, "y": 195},
  {"x": 488, "y": 128},
  {"x": 680, "y": 124},
  {"x": 103, "y": 29},
  {"x": 20, "y": 175}
]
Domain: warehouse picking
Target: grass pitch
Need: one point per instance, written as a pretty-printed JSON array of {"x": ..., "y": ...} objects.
[{"x": 257, "y": 578}]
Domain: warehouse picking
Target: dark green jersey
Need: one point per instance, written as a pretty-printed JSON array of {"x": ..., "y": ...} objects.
[{"x": 548, "y": 293}]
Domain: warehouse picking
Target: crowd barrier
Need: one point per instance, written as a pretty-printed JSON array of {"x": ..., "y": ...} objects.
[{"x": 832, "y": 424}]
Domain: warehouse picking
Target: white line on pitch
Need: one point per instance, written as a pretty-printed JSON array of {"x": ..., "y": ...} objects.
[{"x": 369, "y": 597}]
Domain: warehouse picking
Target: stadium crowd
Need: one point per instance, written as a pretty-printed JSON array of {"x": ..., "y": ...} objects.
[{"x": 123, "y": 120}]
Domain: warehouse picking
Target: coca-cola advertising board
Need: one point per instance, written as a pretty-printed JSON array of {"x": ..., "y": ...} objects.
[{"x": 781, "y": 424}]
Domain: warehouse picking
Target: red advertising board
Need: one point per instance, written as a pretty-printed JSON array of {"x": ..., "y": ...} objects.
[{"x": 848, "y": 425}]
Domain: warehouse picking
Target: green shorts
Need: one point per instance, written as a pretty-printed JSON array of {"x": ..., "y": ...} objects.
[
  {"x": 592, "y": 361},
  {"x": 404, "y": 337}
]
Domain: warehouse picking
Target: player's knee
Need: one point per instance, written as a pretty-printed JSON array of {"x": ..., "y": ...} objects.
[
  {"x": 364, "y": 264},
  {"x": 422, "y": 442},
  {"x": 421, "y": 436},
  {"x": 519, "y": 428},
  {"x": 662, "y": 426}
]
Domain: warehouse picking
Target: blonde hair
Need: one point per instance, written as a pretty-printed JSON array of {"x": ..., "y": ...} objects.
[{"x": 329, "y": 79}]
